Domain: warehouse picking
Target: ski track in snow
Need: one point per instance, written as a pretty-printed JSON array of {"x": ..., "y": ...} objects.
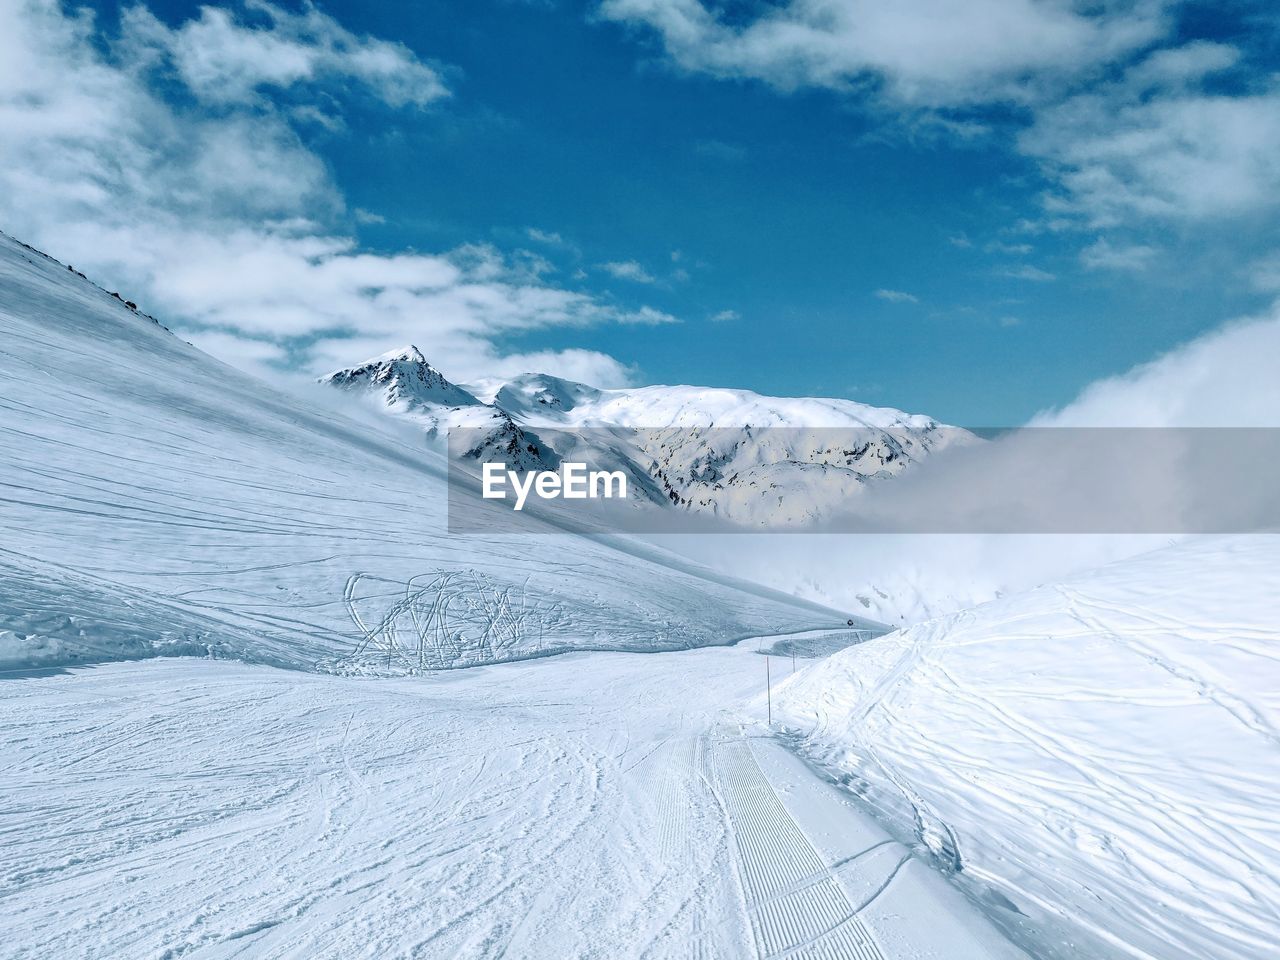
[
  {"x": 797, "y": 906},
  {"x": 1100, "y": 754},
  {"x": 179, "y": 808},
  {"x": 587, "y": 806}
]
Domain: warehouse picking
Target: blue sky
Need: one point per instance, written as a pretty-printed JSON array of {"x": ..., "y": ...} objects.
[{"x": 972, "y": 218}]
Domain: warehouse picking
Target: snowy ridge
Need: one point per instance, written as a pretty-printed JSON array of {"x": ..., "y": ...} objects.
[
  {"x": 403, "y": 382},
  {"x": 754, "y": 460},
  {"x": 157, "y": 501},
  {"x": 404, "y": 377},
  {"x": 1099, "y": 753}
]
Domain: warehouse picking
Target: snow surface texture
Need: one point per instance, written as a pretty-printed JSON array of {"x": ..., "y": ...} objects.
[
  {"x": 598, "y": 805},
  {"x": 1103, "y": 753},
  {"x": 732, "y": 454},
  {"x": 155, "y": 501}
]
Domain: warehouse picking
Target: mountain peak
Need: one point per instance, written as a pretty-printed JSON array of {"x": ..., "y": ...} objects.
[
  {"x": 403, "y": 376},
  {"x": 409, "y": 353},
  {"x": 541, "y": 393}
]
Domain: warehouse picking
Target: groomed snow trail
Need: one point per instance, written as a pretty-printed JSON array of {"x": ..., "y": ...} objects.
[
  {"x": 570, "y": 807},
  {"x": 797, "y": 906}
]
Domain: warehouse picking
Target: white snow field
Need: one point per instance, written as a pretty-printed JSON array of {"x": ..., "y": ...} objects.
[
  {"x": 224, "y": 730},
  {"x": 591, "y": 805},
  {"x": 1103, "y": 754}
]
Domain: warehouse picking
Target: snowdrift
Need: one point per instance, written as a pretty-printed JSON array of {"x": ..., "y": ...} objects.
[
  {"x": 155, "y": 501},
  {"x": 1101, "y": 756}
]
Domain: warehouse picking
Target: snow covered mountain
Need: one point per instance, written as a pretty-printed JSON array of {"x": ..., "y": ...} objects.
[
  {"x": 405, "y": 378},
  {"x": 1098, "y": 758},
  {"x": 157, "y": 501},
  {"x": 405, "y": 383},
  {"x": 755, "y": 460}
]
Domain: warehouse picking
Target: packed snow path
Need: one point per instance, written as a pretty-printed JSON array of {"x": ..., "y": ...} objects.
[
  {"x": 794, "y": 899},
  {"x": 592, "y": 805}
]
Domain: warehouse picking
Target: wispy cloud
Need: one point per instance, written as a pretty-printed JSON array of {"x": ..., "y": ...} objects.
[
  {"x": 896, "y": 296},
  {"x": 645, "y": 316},
  {"x": 222, "y": 60},
  {"x": 1025, "y": 271},
  {"x": 1008, "y": 249},
  {"x": 1104, "y": 255},
  {"x": 628, "y": 270},
  {"x": 1157, "y": 143},
  {"x": 924, "y": 53},
  {"x": 548, "y": 237},
  {"x": 725, "y": 316},
  {"x": 721, "y": 150}
]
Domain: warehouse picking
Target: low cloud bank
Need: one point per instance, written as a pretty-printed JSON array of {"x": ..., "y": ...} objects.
[{"x": 1221, "y": 380}]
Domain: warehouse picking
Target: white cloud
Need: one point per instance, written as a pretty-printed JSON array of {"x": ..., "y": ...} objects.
[
  {"x": 1026, "y": 271},
  {"x": 923, "y": 52},
  {"x": 1010, "y": 249},
  {"x": 1222, "y": 379},
  {"x": 1264, "y": 272},
  {"x": 1154, "y": 144},
  {"x": 222, "y": 221},
  {"x": 897, "y": 296},
  {"x": 645, "y": 316},
  {"x": 550, "y": 238},
  {"x": 1179, "y": 66},
  {"x": 221, "y": 59},
  {"x": 725, "y": 316},
  {"x": 627, "y": 270},
  {"x": 1103, "y": 255},
  {"x": 721, "y": 150}
]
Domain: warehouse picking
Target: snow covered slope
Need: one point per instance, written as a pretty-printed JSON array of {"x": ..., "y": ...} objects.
[
  {"x": 1102, "y": 754},
  {"x": 761, "y": 461},
  {"x": 582, "y": 807},
  {"x": 153, "y": 500}
]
